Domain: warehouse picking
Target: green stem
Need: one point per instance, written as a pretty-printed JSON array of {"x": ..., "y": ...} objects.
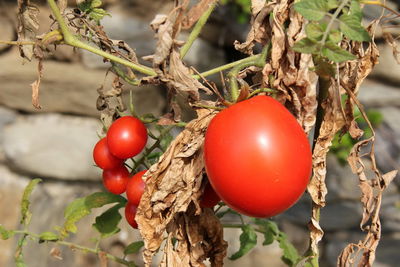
[
  {"x": 73, "y": 41},
  {"x": 258, "y": 61},
  {"x": 197, "y": 29},
  {"x": 333, "y": 18},
  {"x": 234, "y": 225},
  {"x": 262, "y": 90},
  {"x": 154, "y": 146},
  {"x": 79, "y": 247},
  {"x": 225, "y": 67}
]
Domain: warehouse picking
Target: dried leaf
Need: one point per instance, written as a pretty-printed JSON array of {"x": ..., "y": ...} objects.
[
  {"x": 56, "y": 253},
  {"x": 392, "y": 43},
  {"x": 28, "y": 24},
  {"x": 38, "y": 53},
  {"x": 103, "y": 259},
  {"x": 170, "y": 202},
  {"x": 163, "y": 28},
  {"x": 195, "y": 13}
]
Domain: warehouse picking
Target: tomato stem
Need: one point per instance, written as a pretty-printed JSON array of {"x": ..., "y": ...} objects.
[
  {"x": 71, "y": 40},
  {"x": 197, "y": 29}
]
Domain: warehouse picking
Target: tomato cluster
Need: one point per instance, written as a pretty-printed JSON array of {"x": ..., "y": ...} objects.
[
  {"x": 257, "y": 157},
  {"x": 125, "y": 138}
]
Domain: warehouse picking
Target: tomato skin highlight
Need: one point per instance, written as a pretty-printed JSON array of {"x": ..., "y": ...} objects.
[
  {"x": 257, "y": 157},
  {"x": 209, "y": 198},
  {"x": 135, "y": 188},
  {"x": 103, "y": 157},
  {"x": 126, "y": 137},
  {"x": 130, "y": 213},
  {"x": 115, "y": 180}
]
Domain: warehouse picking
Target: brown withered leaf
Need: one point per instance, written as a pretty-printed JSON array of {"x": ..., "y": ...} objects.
[
  {"x": 260, "y": 11},
  {"x": 103, "y": 259},
  {"x": 195, "y": 13},
  {"x": 56, "y": 253},
  {"x": 38, "y": 53},
  {"x": 28, "y": 24},
  {"x": 163, "y": 27},
  {"x": 393, "y": 44},
  {"x": 173, "y": 185}
]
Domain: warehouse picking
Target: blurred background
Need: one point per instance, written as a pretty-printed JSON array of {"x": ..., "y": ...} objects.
[{"x": 56, "y": 142}]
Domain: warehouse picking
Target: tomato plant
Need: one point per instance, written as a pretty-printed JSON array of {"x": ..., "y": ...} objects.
[
  {"x": 135, "y": 188},
  {"x": 257, "y": 157},
  {"x": 130, "y": 213},
  {"x": 102, "y": 156},
  {"x": 126, "y": 137},
  {"x": 209, "y": 198},
  {"x": 115, "y": 180}
]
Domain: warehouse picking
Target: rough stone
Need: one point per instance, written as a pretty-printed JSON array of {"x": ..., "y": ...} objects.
[
  {"x": 6, "y": 116},
  {"x": 377, "y": 94},
  {"x": 7, "y": 31},
  {"x": 66, "y": 87},
  {"x": 335, "y": 215},
  {"x": 53, "y": 145}
]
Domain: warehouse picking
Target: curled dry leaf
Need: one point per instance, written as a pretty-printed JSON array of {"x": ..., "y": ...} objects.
[
  {"x": 393, "y": 44},
  {"x": 27, "y": 26},
  {"x": 38, "y": 53},
  {"x": 169, "y": 206},
  {"x": 195, "y": 13}
]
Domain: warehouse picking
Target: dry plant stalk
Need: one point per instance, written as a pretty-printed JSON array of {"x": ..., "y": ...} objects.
[{"x": 169, "y": 206}]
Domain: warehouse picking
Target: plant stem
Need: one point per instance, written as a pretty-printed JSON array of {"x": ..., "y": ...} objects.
[
  {"x": 234, "y": 225},
  {"x": 333, "y": 18},
  {"x": 154, "y": 146},
  {"x": 79, "y": 247},
  {"x": 197, "y": 29},
  {"x": 73, "y": 41},
  {"x": 17, "y": 42},
  {"x": 225, "y": 67}
]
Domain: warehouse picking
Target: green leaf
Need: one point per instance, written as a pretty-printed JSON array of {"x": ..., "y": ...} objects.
[
  {"x": 331, "y": 4},
  {"x": 85, "y": 5},
  {"x": 95, "y": 3},
  {"x": 270, "y": 230},
  {"x": 324, "y": 68},
  {"x": 352, "y": 28},
  {"x": 315, "y": 31},
  {"x": 107, "y": 222},
  {"x": 290, "y": 255},
  {"x": 98, "y": 13},
  {"x": 306, "y": 46},
  {"x": 133, "y": 247},
  {"x": 312, "y": 9},
  {"x": 48, "y": 236},
  {"x": 25, "y": 213},
  {"x": 4, "y": 233},
  {"x": 81, "y": 207},
  {"x": 335, "y": 36},
  {"x": 248, "y": 239},
  {"x": 335, "y": 53}
]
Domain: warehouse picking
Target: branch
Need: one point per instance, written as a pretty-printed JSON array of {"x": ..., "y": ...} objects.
[{"x": 71, "y": 40}]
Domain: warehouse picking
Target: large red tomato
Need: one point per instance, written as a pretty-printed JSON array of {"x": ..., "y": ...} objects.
[
  {"x": 130, "y": 214},
  {"x": 126, "y": 137},
  {"x": 257, "y": 157}
]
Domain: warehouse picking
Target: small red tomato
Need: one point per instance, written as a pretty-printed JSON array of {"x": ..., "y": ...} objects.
[
  {"x": 115, "y": 180},
  {"x": 209, "y": 198},
  {"x": 135, "y": 188},
  {"x": 257, "y": 157},
  {"x": 130, "y": 213},
  {"x": 103, "y": 158},
  {"x": 126, "y": 137}
]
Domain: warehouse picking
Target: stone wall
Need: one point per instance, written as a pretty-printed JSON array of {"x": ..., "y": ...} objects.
[{"x": 55, "y": 143}]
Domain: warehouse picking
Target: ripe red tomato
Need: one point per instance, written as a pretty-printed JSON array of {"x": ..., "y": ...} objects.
[
  {"x": 257, "y": 157},
  {"x": 126, "y": 137},
  {"x": 115, "y": 180},
  {"x": 209, "y": 198},
  {"x": 130, "y": 213},
  {"x": 135, "y": 188},
  {"x": 103, "y": 158}
]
